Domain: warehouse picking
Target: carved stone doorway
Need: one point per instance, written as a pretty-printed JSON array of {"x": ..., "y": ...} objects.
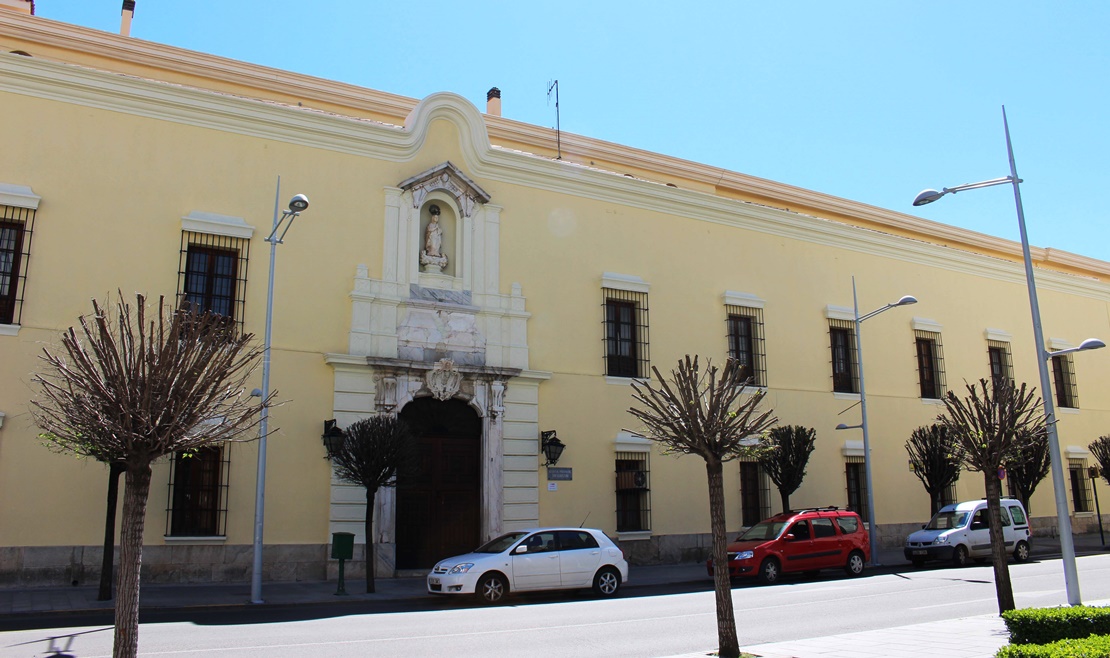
[{"x": 439, "y": 505}]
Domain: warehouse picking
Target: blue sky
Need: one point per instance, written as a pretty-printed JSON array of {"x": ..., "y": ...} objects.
[{"x": 871, "y": 101}]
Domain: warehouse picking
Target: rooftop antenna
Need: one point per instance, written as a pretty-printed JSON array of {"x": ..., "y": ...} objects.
[{"x": 558, "y": 140}]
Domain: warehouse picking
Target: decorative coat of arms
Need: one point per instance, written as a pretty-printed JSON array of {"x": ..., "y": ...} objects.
[{"x": 443, "y": 380}]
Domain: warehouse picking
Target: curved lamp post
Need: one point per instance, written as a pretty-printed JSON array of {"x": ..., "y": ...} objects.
[
  {"x": 297, "y": 205},
  {"x": 1063, "y": 519},
  {"x": 904, "y": 301}
]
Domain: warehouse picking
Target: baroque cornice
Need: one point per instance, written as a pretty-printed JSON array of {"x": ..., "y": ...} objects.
[{"x": 362, "y": 137}]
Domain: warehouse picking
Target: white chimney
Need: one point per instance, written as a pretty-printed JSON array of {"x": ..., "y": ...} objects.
[
  {"x": 22, "y": 6},
  {"x": 126, "y": 15},
  {"x": 493, "y": 102}
]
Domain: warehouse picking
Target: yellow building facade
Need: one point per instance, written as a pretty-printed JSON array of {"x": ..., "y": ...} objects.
[{"x": 452, "y": 270}]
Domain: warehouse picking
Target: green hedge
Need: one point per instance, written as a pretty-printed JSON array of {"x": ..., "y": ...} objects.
[
  {"x": 1096, "y": 646},
  {"x": 1045, "y": 625}
]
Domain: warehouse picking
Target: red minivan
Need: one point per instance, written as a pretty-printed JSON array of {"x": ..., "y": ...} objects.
[{"x": 800, "y": 541}]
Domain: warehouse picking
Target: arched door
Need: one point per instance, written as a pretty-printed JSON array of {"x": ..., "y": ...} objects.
[{"x": 439, "y": 504}]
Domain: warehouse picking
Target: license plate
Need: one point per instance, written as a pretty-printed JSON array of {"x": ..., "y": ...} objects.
[
  {"x": 921, "y": 552},
  {"x": 433, "y": 581}
]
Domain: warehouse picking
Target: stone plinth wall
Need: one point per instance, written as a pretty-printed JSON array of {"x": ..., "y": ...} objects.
[{"x": 669, "y": 549}]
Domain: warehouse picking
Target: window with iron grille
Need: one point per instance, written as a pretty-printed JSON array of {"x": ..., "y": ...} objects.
[
  {"x": 755, "y": 490},
  {"x": 1002, "y": 368},
  {"x": 745, "y": 341},
  {"x": 213, "y": 274},
  {"x": 1080, "y": 485},
  {"x": 948, "y": 495},
  {"x": 15, "y": 251},
  {"x": 930, "y": 364},
  {"x": 198, "y": 493},
  {"x": 842, "y": 340},
  {"x": 626, "y": 333},
  {"x": 855, "y": 475},
  {"x": 633, "y": 492},
  {"x": 1063, "y": 380}
]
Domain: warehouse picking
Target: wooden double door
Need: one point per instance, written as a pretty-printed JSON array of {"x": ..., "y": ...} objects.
[{"x": 439, "y": 503}]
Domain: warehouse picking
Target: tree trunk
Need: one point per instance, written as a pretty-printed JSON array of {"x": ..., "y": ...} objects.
[
  {"x": 1003, "y": 590},
  {"x": 130, "y": 561},
  {"x": 784, "y": 496},
  {"x": 934, "y": 503},
  {"x": 371, "y": 554},
  {"x": 115, "y": 469},
  {"x": 726, "y": 617}
]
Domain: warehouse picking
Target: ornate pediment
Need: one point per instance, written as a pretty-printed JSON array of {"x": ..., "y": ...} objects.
[{"x": 450, "y": 179}]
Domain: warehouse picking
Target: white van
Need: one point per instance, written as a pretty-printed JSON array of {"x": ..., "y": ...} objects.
[{"x": 960, "y": 532}]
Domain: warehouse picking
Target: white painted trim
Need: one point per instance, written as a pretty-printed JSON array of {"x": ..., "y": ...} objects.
[
  {"x": 634, "y": 536},
  {"x": 624, "y": 381},
  {"x": 2, "y": 416},
  {"x": 1068, "y": 410},
  {"x": 837, "y": 395},
  {"x": 1076, "y": 452},
  {"x": 852, "y": 449},
  {"x": 999, "y": 335},
  {"x": 1059, "y": 344},
  {"x": 219, "y": 539},
  {"x": 629, "y": 442},
  {"x": 840, "y": 313},
  {"x": 18, "y": 196},
  {"x": 746, "y": 299},
  {"x": 936, "y": 402},
  {"x": 629, "y": 282},
  {"x": 9, "y": 329},
  {"x": 214, "y": 224},
  {"x": 926, "y": 324}
]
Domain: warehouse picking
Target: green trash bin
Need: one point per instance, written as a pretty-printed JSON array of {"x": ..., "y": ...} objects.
[{"x": 342, "y": 548}]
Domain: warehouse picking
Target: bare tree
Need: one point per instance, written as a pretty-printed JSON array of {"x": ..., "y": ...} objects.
[
  {"x": 1100, "y": 448},
  {"x": 936, "y": 456},
  {"x": 714, "y": 415},
  {"x": 372, "y": 452},
  {"x": 789, "y": 448},
  {"x": 987, "y": 423},
  {"x": 1029, "y": 464},
  {"x": 133, "y": 389}
]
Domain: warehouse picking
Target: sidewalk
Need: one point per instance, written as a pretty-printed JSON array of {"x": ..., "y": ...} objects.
[{"x": 971, "y": 637}]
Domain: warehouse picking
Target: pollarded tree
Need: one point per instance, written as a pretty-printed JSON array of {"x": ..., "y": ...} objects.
[
  {"x": 936, "y": 456},
  {"x": 133, "y": 389},
  {"x": 1029, "y": 464},
  {"x": 712, "y": 414},
  {"x": 789, "y": 448},
  {"x": 1100, "y": 448},
  {"x": 987, "y": 424},
  {"x": 372, "y": 452}
]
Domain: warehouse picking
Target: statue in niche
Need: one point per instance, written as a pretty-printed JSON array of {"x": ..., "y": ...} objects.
[{"x": 432, "y": 257}]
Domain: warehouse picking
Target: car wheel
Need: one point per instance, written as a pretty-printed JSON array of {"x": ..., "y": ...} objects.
[
  {"x": 492, "y": 588},
  {"x": 959, "y": 557},
  {"x": 769, "y": 571},
  {"x": 1021, "y": 551},
  {"x": 918, "y": 562},
  {"x": 856, "y": 563},
  {"x": 607, "y": 582}
]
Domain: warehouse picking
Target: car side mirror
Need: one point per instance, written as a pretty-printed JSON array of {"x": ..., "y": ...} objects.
[
  {"x": 789, "y": 536},
  {"x": 521, "y": 549}
]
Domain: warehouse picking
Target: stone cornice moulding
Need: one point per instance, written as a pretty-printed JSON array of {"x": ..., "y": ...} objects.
[
  {"x": 926, "y": 324},
  {"x": 999, "y": 336},
  {"x": 1059, "y": 344},
  {"x": 852, "y": 449},
  {"x": 745, "y": 299},
  {"x": 215, "y": 224},
  {"x": 1076, "y": 452},
  {"x": 214, "y": 110},
  {"x": 627, "y": 282},
  {"x": 840, "y": 313},
  {"x": 629, "y": 442},
  {"x": 18, "y": 196}
]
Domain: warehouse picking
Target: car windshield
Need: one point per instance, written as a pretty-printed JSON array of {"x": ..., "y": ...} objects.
[
  {"x": 762, "y": 531},
  {"x": 947, "y": 521},
  {"x": 500, "y": 544}
]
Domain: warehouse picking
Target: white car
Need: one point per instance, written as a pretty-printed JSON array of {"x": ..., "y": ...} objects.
[
  {"x": 533, "y": 560},
  {"x": 959, "y": 532}
]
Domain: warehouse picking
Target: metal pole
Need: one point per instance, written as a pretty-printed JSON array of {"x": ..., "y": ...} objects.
[
  {"x": 260, "y": 488},
  {"x": 866, "y": 439},
  {"x": 1093, "y": 474},
  {"x": 1063, "y": 519}
]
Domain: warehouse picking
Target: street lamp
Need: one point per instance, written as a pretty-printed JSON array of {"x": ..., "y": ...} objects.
[
  {"x": 1063, "y": 520},
  {"x": 297, "y": 205},
  {"x": 904, "y": 301}
]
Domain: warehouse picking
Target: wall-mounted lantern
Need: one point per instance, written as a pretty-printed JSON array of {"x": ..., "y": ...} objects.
[
  {"x": 551, "y": 446},
  {"x": 332, "y": 437}
]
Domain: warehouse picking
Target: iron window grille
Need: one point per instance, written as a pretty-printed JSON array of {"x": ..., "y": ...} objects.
[
  {"x": 213, "y": 274},
  {"x": 755, "y": 493},
  {"x": 948, "y": 495},
  {"x": 842, "y": 341},
  {"x": 855, "y": 476},
  {"x": 1080, "y": 485},
  {"x": 930, "y": 364},
  {"x": 198, "y": 491},
  {"x": 745, "y": 341},
  {"x": 1063, "y": 380},
  {"x": 16, "y": 225},
  {"x": 1002, "y": 367},
  {"x": 626, "y": 333},
  {"x": 633, "y": 492}
]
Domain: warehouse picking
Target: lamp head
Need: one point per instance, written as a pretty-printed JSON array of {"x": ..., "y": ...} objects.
[
  {"x": 298, "y": 203},
  {"x": 1091, "y": 344},
  {"x": 927, "y": 196},
  {"x": 906, "y": 300},
  {"x": 842, "y": 426}
]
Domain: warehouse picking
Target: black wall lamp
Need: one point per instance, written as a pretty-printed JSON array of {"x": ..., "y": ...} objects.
[
  {"x": 551, "y": 446},
  {"x": 333, "y": 437}
]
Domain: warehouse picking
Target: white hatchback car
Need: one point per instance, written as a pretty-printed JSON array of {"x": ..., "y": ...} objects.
[
  {"x": 959, "y": 532},
  {"x": 533, "y": 560}
]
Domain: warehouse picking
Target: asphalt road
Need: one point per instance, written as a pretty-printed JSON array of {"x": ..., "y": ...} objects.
[{"x": 653, "y": 622}]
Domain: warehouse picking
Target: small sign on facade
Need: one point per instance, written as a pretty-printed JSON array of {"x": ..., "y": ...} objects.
[
  {"x": 559, "y": 473},
  {"x": 552, "y": 486}
]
